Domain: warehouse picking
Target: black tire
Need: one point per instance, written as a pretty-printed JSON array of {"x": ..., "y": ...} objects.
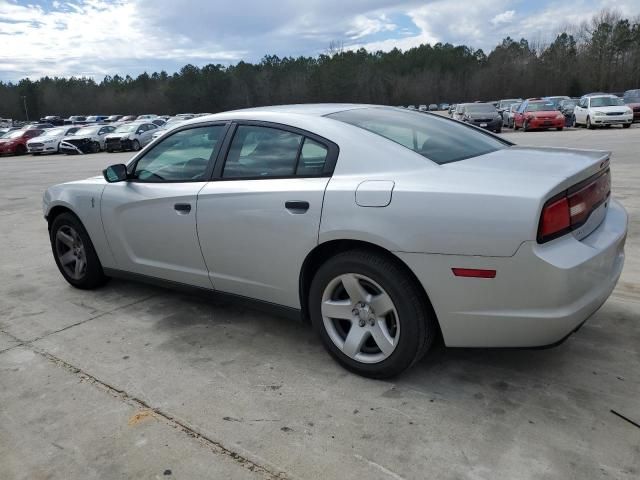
[
  {"x": 109, "y": 150},
  {"x": 515, "y": 126},
  {"x": 626, "y": 125},
  {"x": 560, "y": 129},
  {"x": 95, "y": 147},
  {"x": 418, "y": 326},
  {"x": 93, "y": 276},
  {"x": 525, "y": 126},
  {"x": 590, "y": 126},
  {"x": 135, "y": 145},
  {"x": 21, "y": 150},
  {"x": 574, "y": 123},
  {"x": 498, "y": 130}
]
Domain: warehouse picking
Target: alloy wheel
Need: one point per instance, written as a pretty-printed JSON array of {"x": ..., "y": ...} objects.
[
  {"x": 360, "y": 318},
  {"x": 71, "y": 252}
]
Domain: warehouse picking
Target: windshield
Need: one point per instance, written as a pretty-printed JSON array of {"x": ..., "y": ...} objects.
[
  {"x": 480, "y": 108},
  {"x": 436, "y": 138},
  {"x": 14, "y": 134},
  {"x": 55, "y": 131},
  {"x": 126, "y": 128},
  {"x": 540, "y": 107},
  {"x": 606, "y": 102},
  {"x": 569, "y": 103},
  {"x": 86, "y": 131},
  {"x": 631, "y": 99}
]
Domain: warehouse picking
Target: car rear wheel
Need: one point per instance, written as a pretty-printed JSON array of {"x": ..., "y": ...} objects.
[
  {"x": 74, "y": 253},
  {"x": 370, "y": 315},
  {"x": 498, "y": 130},
  {"x": 559, "y": 129},
  {"x": 525, "y": 126},
  {"x": 21, "y": 150}
]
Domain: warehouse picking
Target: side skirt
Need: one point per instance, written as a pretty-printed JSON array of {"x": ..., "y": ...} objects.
[{"x": 212, "y": 295}]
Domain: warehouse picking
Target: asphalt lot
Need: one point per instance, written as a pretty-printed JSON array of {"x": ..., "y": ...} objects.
[{"x": 133, "y": 381}]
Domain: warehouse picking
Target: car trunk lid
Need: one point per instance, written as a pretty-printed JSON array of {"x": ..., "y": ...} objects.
[{"x": 546, "y": 173}]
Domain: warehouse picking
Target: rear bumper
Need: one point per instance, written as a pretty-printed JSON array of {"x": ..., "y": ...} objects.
[
  {"x": 538, "y": 297},
  {"x": 541, "y": 123},
  {"x": 488, "y": 125}
]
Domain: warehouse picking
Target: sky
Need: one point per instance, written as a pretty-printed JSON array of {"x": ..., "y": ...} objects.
[{"x": 94, "y": 38}]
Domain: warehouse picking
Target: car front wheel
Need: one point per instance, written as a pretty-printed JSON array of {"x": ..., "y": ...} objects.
[
  {"x": 370, "y": 315},
  {"x": 589, "y": 124},
  {"x": 74, "y": 253}
]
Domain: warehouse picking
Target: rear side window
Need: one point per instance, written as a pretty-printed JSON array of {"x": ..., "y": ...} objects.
[
  {"x": 312, "y": 158},
  {"x": 439, "y": 139},
  {"x": 258, "y": 152}
]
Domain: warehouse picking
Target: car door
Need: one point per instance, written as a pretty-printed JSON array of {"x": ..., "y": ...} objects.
[
  {"x": 260, "y": 216},
  {"x": 579, "y": 111},
  {"x": 147, "y": 132},
  {"x": 150, "y": 220}
]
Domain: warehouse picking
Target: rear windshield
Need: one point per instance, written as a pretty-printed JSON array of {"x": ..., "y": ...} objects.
[
  {"x": 480, "y": 108},
  {"x": 436, "y": 138},
  {"x": 540, "y": 107}
]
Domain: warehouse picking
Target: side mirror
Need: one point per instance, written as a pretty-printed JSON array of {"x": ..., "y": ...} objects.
[{"x": 115, "y": 173}]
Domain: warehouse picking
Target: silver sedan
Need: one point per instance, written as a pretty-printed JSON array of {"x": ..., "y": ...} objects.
[{"x": 385, "y": 228}]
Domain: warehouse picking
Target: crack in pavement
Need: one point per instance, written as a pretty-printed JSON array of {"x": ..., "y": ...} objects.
[{"x": 214, "y": 446}]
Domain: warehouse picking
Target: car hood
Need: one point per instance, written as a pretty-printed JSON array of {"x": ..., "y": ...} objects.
[
  {"x": 42, "y": 139},
  {"x": 79, "y": 137},
  {"x": 615, "y": 108}
]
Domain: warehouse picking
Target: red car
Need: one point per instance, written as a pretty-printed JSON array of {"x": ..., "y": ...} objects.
[
  {"x": 15, "y": 142},
  {"x": 537, "y": 113}
]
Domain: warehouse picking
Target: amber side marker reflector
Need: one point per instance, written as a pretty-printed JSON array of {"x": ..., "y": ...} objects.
[{"x": 473, "y": 273}]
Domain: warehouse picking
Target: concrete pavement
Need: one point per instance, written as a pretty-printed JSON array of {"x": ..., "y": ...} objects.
[{"x": 133, "y": 381}]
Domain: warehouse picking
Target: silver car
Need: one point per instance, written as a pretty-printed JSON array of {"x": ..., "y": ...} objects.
[
  {"x": 384, "y": 227},
  {"x": 130, "y": 136},
  {"x": 88, "y": 139}
]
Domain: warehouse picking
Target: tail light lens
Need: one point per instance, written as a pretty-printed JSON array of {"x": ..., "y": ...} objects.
[{"x": 571, "y": 209}]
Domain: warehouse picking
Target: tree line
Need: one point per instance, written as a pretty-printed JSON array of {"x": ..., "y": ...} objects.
[{"x": 600, "y": 55}]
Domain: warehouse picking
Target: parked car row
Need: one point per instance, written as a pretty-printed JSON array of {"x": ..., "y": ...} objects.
[
  {"x": 591, "y": 110},
  {"x": 81, "y": 135}
]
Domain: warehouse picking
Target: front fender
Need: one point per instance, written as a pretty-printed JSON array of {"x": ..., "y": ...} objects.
[{"x": 83, "y": 200}]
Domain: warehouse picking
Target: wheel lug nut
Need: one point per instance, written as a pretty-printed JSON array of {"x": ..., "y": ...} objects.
[
  {"x": 355, "y": 311},
  {"x": 372, "y": 321},
  {"x": 361, "y": 323}
]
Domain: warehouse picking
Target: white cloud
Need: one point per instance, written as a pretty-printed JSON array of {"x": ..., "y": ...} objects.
[
  {"x": 98, "y": 37},
  {"x": 504, "y": 17}
]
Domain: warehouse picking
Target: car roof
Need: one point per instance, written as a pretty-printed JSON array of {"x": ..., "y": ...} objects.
[{"x": 299, "y": 110}]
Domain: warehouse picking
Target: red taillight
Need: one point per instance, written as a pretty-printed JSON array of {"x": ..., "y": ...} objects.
[
  {"x": 572, "y": 208},
  {"x": 555, "y": 218}
]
